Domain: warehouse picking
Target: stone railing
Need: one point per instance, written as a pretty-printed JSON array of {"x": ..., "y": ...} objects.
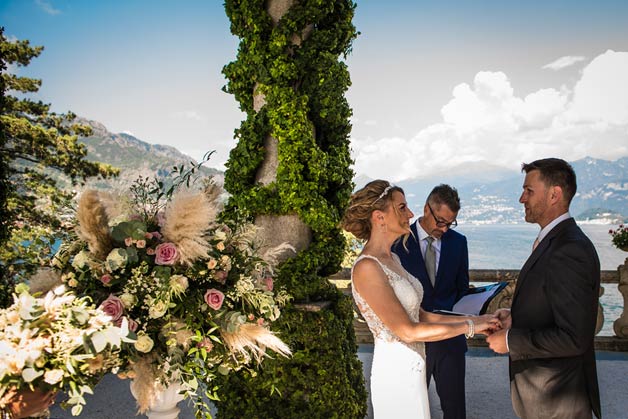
[{"x": 619, "y": 342}]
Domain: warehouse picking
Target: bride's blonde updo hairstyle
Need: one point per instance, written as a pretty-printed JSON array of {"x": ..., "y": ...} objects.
[{"x": 376, "y": 195}]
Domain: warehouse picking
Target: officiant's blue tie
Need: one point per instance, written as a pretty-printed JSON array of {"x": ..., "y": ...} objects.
[{"x": 430, "y": 260}]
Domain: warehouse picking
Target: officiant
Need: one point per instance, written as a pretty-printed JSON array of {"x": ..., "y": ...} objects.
[{"x": 438, "y": 256}]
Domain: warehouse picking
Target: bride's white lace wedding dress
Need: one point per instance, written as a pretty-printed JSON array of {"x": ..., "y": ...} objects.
[{"x": 398, "y": 386}]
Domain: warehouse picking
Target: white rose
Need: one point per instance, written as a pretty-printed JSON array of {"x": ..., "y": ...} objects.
[
  {"x": 220, "y": 235},
  {"x": 143, "y": 343}
]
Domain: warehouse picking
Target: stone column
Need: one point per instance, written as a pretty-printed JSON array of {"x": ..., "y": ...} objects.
[
  {"x": 620, "y": 326},
  {"x": 289, "y": 228}
]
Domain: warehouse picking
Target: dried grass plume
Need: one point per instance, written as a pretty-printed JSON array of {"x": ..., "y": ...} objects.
[
  {"x": 253, "y": 340},
  {"x": 188, "y": 218},
  {"x": 93, "y": 223}
]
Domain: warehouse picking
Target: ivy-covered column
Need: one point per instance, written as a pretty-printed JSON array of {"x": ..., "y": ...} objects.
[{"x": 290, "y": 172}]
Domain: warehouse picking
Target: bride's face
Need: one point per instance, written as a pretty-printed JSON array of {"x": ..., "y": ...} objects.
[{"x": 398, "y": 214}]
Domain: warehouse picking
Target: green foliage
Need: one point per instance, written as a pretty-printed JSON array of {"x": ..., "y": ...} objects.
[
  {"x": 33, "y": 143},
  {"x": 306, "y": 112}
]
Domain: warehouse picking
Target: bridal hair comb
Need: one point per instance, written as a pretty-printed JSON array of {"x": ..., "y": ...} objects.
[{"x": 383, "y": 194}]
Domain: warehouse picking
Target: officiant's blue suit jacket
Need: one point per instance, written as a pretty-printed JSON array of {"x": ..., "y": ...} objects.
[{"x": 452, "y": 277}]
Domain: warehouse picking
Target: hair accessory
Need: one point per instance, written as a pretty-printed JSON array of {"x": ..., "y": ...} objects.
[{"x": 383, "y": 194}]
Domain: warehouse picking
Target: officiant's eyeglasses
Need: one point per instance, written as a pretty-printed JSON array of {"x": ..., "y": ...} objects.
[{"x": 442, "y": 223}]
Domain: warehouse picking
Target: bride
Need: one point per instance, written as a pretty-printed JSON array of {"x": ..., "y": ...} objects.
[{"x": 389, "y": 299}]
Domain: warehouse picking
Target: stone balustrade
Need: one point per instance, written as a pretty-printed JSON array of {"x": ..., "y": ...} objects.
[{"x": 619, "y": 342}]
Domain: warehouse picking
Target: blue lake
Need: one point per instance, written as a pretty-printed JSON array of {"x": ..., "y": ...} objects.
[{"x": 507, "y": 246}]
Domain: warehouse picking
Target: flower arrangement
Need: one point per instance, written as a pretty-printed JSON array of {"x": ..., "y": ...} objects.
[
  {"x": 57, "y": 342},
  {"x": 195, "y": 292},
  {"x": 620, "y": 237}
]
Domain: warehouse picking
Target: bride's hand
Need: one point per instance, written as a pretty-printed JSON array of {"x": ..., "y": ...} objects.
[{"x": 486, "y": 324}]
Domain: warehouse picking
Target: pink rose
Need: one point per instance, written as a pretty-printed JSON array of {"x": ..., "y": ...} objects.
[
  {"x": 214, "y": 298},
  {"x": 220, "y": 276},
  {"x": 113, "y": 307},
  {"x": 166, "y": 254},
  {"x": 105, "y": 279},
  {"x": 128, "y": 241},
  {"x": 140, "y": 244},
  {"x": 150, "y": 251}
]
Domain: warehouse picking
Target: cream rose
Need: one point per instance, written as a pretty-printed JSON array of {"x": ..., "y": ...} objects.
[
  {"x": 157, "y": 309},
  {"x": 143, "y": 343}
]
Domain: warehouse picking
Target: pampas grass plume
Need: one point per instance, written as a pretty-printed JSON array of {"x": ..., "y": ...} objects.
[
  {"x": 187, "y": 218},
  {"x": 252, "y": 340},
  {"x": 93, "y": 223}
]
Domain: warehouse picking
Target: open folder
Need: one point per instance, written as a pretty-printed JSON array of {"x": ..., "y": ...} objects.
[{"x": 476, "y": 300}]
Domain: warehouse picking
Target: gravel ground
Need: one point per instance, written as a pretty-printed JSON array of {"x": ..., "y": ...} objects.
[{"x": 487, "y": 385}]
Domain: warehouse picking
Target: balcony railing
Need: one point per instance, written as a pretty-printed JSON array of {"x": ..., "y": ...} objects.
[{"x": 619, "y": 342}]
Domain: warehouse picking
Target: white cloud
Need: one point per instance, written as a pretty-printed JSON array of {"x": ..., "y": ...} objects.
[
  {"x": 564, "y": 62},
  {"x": 191, "y": 115},
  {"x": 47, "y": 7},
  {"x": 487, "y": 122}
]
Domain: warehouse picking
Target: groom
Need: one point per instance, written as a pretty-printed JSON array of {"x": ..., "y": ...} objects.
[
  {"x": 438, "y": 257},
  {"x": 550, "y": 328}
]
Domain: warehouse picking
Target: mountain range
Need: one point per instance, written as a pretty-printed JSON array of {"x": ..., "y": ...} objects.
[
  {"x": 491, "y": 196},
  {"x": 488, "y": 194},
  {"x": 133, "y": 157}
]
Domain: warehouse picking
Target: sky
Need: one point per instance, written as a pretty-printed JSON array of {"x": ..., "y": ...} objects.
[{"x": 436, "y": 85}]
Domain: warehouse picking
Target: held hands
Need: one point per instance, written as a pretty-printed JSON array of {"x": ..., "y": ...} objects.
[
  {"x": 497, "y": 340},
  {"x": 486, "y": 323}
]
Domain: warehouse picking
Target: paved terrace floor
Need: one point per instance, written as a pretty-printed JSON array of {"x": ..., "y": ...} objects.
[{"x": 487, "y": 389}]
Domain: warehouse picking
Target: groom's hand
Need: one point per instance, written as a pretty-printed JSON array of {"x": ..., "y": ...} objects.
[
  {"x": 503, "y": 314},
  {"x": 497, "y": 341}
]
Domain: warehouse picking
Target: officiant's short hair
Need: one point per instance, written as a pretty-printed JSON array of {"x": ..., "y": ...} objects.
[{"x": 444, "y": 194}]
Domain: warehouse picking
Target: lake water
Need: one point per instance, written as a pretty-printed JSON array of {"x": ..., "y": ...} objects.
[{"x": 507, "y": 246}]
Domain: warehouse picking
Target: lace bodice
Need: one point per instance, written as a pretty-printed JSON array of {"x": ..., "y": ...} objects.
[{"x": 408, "y": 290}]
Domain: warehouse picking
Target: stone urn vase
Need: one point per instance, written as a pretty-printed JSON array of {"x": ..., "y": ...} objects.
[{"x": 164, "y": 403}]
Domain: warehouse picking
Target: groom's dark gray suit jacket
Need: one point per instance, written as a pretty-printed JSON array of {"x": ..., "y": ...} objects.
[{"x": 554, "y": 311}]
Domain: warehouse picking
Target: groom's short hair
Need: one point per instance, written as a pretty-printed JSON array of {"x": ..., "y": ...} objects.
[{"x": 444, "y": 194}]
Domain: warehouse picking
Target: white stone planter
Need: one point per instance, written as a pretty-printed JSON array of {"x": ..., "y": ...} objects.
[{"x": 164, "y": 405}]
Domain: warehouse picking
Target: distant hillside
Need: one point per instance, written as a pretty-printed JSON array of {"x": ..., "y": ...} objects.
[
  {"x": 132, "y": 156},
  {"x": 602, "y": 193}
]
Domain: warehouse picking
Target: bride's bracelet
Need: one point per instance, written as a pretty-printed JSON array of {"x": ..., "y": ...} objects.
[{"x": 471, "y": 332}]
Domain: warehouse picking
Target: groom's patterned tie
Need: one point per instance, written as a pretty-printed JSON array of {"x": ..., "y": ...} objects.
[{"x": 430, "y": 260}]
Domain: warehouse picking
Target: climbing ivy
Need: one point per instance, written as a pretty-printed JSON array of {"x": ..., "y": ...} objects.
[{"x": 305, "y": 110}]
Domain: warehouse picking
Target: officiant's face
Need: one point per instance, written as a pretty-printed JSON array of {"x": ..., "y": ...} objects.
[{"x": 436, "y": 219}]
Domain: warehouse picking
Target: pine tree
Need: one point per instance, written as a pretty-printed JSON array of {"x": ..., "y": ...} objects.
[{"x": 35, "y": 143}]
